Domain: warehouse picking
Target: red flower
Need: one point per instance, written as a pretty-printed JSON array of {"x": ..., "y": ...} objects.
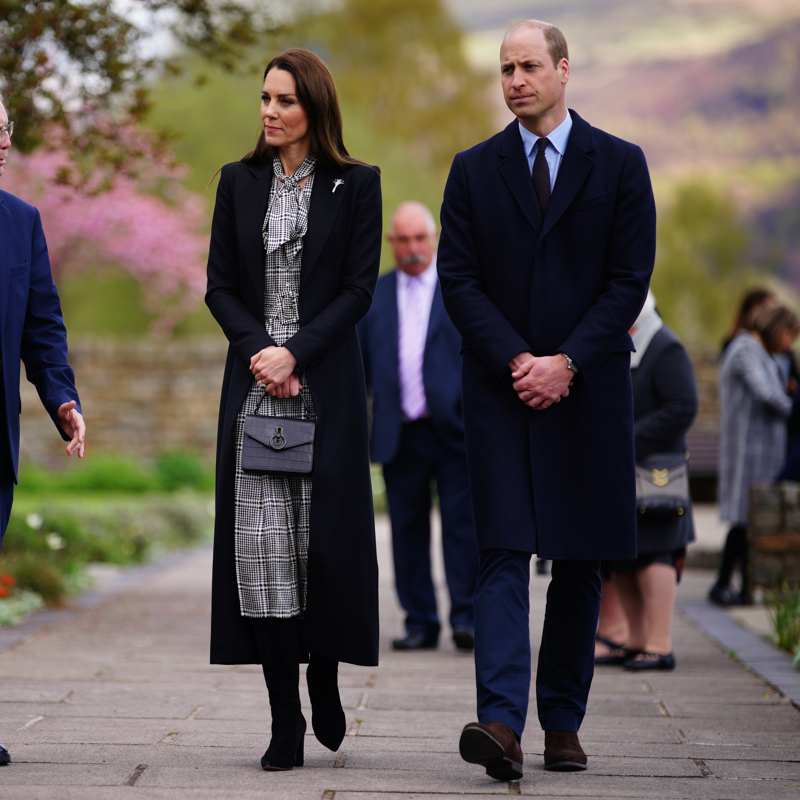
[
  {"x": 4, "y": 592},
  {"x": 7, "y": 580}
]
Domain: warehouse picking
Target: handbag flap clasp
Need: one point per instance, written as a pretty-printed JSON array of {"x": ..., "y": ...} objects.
[{"x": 287, "y": 434}]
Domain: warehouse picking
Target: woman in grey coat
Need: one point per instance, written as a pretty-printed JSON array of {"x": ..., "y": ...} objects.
[{"x": 754, "y": 408}]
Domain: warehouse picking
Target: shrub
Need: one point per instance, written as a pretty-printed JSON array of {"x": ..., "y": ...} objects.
[
  {"x": 107, "y": 473},
  {"x": 47, "y": 545},
  {"x": 181, "y": 469},
  {"x": 784, "y": 610}
]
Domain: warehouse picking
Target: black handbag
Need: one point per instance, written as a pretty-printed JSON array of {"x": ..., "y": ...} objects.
[
  {"x": 278, "y": 444},
  {"x": 662, "y": 486}
]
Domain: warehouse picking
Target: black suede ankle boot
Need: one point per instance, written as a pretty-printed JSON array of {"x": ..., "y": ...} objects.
[{"x": 327, "y": 714}]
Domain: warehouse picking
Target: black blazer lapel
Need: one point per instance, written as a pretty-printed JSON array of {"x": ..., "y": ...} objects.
[
  {"x": 575, "y": 166},
  {"x": 252, "y": 201},
  {"x": 514, "y": 169},
  {"x": 436, "y": 318},
  {"x": 331, "y": 184},
  {"x": 391, "y": 319}
]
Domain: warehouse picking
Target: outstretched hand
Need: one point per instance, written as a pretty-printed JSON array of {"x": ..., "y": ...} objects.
[
  {"x": 71, "y": 422},
  {"x": 540, "y": 382}
]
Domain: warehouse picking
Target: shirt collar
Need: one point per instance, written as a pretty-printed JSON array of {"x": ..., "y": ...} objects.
[{"x": 558, "y": 137}]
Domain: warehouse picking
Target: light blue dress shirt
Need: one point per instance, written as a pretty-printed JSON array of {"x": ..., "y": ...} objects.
[{"x": 554, "y": 151}]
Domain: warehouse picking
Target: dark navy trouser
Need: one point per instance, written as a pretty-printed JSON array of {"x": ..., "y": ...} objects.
[
  {"x": 6, "y": 499},
  {"x": 502, "y": 641},
  {"x": 421, "y": 459}
]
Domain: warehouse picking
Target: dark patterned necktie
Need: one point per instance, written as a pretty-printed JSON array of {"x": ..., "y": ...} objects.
[{"x": 541, "y": 176}]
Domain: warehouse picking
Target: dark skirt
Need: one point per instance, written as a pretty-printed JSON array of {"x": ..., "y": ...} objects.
[{"x": 673, "y": 558}]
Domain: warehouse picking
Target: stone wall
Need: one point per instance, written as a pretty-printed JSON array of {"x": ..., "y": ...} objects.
[
  {"x": 140, "y": 397},
  {"x": 774, "y": 535},
  {"x": 143, "y": 397}
]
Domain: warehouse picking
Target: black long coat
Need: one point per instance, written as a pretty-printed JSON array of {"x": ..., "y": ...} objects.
[
  {"x": 558, "y": 482},
  {"x": 341, "y": 256},
  {"x": 664, "y": 407}
]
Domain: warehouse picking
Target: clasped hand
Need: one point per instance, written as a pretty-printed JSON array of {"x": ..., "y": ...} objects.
[
  {"x": 540, "y": 382},
  {"x": 274, "y": 369}
]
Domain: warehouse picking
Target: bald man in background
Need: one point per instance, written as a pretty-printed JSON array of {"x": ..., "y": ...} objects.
[{"x": 413, "y": 370}]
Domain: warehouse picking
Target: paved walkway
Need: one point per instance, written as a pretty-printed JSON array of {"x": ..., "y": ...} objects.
[{"x": 118, "y": 701}]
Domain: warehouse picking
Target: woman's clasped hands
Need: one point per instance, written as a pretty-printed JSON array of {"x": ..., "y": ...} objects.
[{"x": 274, "y": 369}]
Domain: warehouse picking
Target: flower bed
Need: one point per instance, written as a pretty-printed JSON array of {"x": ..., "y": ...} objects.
[{"x": 49, "y": 542}]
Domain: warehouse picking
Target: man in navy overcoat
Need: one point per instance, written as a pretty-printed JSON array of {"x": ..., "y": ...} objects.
[
  {"x": 413, "y": 370},
  {"x": 31, "y": 329},
  {"x": 547, "y": 246}
]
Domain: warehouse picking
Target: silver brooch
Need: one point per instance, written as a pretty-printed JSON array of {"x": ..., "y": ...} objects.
[{"x": 336, "y": 184}]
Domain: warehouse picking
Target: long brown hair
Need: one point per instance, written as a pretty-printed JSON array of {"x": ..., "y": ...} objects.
[{"x": 316, "y": 93}]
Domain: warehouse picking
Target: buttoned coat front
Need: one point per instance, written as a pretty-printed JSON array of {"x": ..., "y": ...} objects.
[
  {"x": 558, "y": 482},
  {"x": 341, "y": 254}
]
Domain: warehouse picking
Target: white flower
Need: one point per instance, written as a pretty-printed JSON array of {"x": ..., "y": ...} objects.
[
  {"x": 34, "y": 521},
  {"x": 55, "y": 542}
]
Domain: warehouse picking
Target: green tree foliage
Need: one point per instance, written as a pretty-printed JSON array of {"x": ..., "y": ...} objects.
[
  {"x": 702, "y": 264},
  {"x": 71, "y": 72},
  {"x": 403, "y": 62}
]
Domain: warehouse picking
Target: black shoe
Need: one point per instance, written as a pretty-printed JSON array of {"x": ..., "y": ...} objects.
[
  {"x": 645, "y": 661},
  {"x": 464, "y": 638},
  {"x": 725, "y": 596},
  {"x": 5, "y": 756},
  {"x": 617, "y": 654},
  {"x": 327, "y": 715},
  {"x": 417, "y": 640}
]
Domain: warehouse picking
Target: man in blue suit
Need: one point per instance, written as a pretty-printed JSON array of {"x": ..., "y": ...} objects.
[
  {"x": 31, "y": 329},
  {"x": 547, "y": 246},
  {"x": 412, "y": 365}
]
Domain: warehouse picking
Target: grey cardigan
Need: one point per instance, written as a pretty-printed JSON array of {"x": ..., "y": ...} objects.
[{"x": 754, "y": 408}]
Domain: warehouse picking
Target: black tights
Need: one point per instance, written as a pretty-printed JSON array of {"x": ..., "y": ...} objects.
[{"x": 735, "y": 551}]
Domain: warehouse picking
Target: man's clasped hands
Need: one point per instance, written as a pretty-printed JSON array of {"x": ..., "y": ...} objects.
[{"x": 540, "y": 381}]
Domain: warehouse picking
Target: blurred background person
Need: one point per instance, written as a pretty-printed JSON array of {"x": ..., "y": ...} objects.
[
  {"x": 754, "y": 409},
  {"x": 635, "y": 626},
  {"x": 32, "y": 331},
  {"x": 753, "y": 301},
  {"x": 413, "y": 365},
  {"x": 295, "y": 566}
]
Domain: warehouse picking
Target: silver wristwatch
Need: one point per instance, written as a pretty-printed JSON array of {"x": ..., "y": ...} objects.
[{"x": 570, "y": 363}]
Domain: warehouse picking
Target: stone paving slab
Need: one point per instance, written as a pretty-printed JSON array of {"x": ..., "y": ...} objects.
[{"x": 120, "y": 693}]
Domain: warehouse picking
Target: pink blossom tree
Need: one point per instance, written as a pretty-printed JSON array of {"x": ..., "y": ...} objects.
[{"x": 150, "y": 227}]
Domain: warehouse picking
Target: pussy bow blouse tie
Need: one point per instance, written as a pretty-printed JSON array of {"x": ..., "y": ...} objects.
[{"x": 287, "y": 216}]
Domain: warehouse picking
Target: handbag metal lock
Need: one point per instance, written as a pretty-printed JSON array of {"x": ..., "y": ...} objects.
[
  {"x": 278, "y": 442},
  {"x": 660, "y": 477}
]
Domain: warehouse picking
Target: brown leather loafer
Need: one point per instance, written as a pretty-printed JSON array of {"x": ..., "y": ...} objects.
[
  {"x": 493, "y": 746},
  {"x": 563, "y": 752}
]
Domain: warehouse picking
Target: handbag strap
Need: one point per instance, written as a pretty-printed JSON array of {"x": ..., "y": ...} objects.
[{"x": 264, "y": 395}]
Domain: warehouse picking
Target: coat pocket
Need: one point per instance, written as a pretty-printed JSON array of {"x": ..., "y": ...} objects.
[
  {"x": 22, "y": 269},
  {"x": 591, "y": 202}
]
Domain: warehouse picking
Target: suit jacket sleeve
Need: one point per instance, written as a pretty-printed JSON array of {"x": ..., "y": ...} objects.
[
  {"x": 43, "y": 347},
  {"x": 484, "y": 328},
  {"x": 358, "y": 278},
  {"x": 245, "y": 332},
  {"x": 629, "y": 264},
  {"x": 673, "y": 381}
]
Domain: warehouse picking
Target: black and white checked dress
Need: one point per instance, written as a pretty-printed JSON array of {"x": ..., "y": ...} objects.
[{"x": 272, "y": 511}]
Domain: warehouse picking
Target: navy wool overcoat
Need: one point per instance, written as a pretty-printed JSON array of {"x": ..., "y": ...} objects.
[
  {"x": 341, "y": 255},
  {"x": 558, "y": 482}
]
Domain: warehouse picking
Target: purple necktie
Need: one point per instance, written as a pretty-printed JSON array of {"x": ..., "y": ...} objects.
[
  {"x": 411, "y": 349},
  {"x": 541, "y": 176}
]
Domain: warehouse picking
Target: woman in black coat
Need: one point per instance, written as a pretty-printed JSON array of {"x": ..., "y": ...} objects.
[
  {"x": 293, "y": 262},
  {"x": 664, "y": 407}
]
